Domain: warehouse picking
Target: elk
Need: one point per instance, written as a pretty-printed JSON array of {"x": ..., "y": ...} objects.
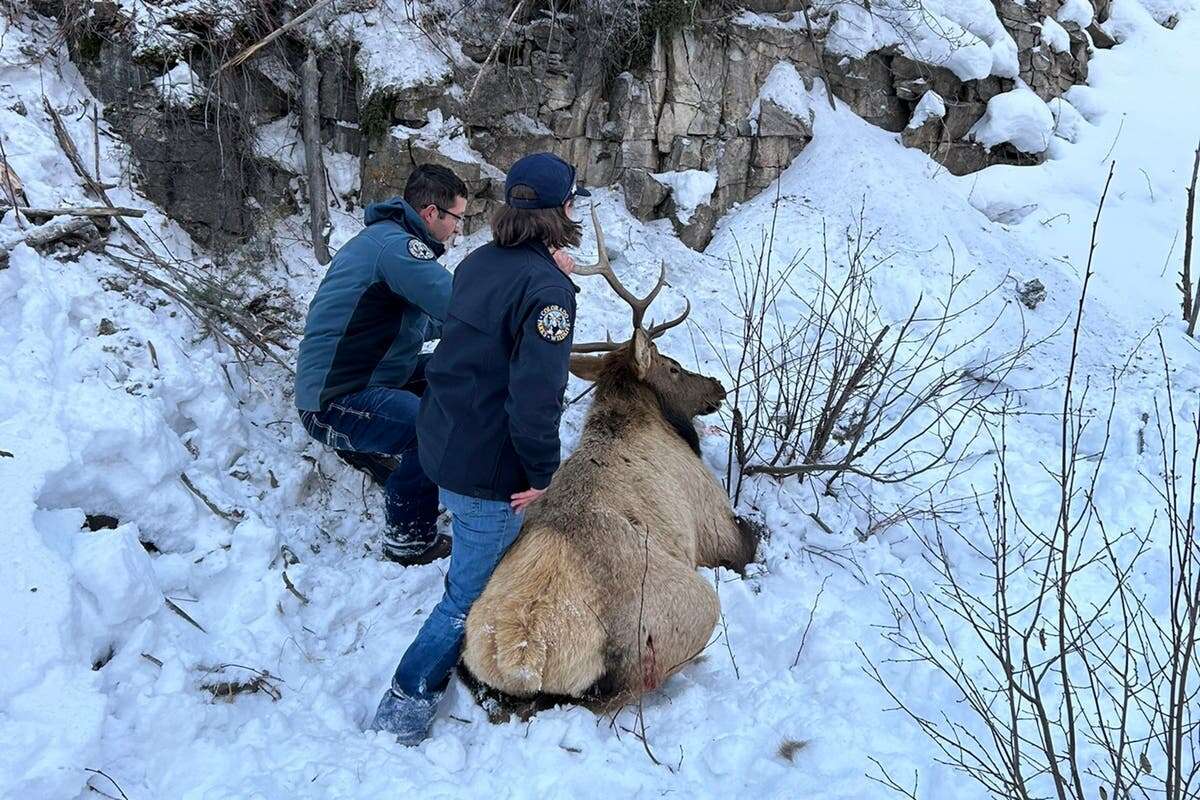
[{"x": 598, "y": 599}]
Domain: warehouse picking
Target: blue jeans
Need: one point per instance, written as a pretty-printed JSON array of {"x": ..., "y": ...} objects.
[
  {"x": 375, "y": 431},
  {"x": 483, "y": 531}
]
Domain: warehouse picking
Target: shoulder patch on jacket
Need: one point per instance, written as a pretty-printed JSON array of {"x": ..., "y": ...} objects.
[
  {"x": 418, "y": 249},
  {"x": 554, "y": 323}
]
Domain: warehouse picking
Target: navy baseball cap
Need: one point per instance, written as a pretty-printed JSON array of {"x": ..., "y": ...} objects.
[{"x": 551, "y": 180}]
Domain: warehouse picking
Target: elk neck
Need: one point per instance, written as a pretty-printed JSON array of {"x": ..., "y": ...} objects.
[{"x": 624, "y": 403}]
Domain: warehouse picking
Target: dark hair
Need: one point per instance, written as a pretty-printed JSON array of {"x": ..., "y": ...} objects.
[
  {"x": 433, "y": 185},
  {"x": 551, "y": 226}
]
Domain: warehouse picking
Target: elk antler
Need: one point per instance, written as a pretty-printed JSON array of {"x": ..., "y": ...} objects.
[
  {"x": 603, "y": 267},
  {"x": 658, "y": 330},
  {"x": 639, "y": 305},
  {"x": 607, "y": 346}
]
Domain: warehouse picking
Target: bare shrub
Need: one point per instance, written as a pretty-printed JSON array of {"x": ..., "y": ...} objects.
[
  {"x": 1069, "y": 683},
  {"x": 834, "y": 390}
]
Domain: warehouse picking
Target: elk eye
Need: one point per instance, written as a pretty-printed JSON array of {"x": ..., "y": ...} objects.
[{"x": 674, "y": 370}]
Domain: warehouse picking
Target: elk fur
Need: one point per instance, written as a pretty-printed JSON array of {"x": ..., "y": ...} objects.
[{"x": 599, "y": 596}]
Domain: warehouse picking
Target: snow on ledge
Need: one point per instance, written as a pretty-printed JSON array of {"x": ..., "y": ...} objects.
[
  {"x": 1080, "y": 12},
  {"x": 181, "y": 87},
  {"x": 785, "y": 88}
]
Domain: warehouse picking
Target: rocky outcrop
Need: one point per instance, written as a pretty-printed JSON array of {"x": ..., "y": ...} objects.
[
  {"x": 695, "y": 106},
  {"x": 700, "y": 102},
  {"x": 191, "y": 133},
  {"x": 731, "y": 97},
  {"x": 1049, "y": 69},
  {"x": 886, "y": 87}
]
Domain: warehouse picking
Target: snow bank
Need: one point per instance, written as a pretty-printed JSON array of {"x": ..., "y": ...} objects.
[
  {"x": 1018, "y": 117},
  {"x": 965, "y": 37}
]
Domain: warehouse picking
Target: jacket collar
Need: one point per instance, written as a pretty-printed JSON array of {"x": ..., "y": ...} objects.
[{"x": 399, "y": 211}]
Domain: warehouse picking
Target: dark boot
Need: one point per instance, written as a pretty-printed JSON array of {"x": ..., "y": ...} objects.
[{"x": 404, "y": 552}]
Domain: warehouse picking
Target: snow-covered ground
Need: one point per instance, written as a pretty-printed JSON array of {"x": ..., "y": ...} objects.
[{"x": 107, "y": 402}]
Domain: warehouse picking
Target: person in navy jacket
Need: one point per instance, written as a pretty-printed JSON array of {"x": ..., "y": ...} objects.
[
  {"x": 360, "y": 371},
  {"x": 487, "y": 430}
]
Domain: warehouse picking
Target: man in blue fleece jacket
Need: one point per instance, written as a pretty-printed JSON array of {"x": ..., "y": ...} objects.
[{"x": 361, "y": 374}]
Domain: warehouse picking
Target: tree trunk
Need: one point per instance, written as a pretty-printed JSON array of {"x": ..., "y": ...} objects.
[{"x": 318, "y": 205}]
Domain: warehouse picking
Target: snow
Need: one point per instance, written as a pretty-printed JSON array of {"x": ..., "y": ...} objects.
[
  {"x": 1055, "y": 36},
  {"x": 754, "y": 19},
  {"x": 1080, "y": 12},
  {"x": 689, "y": 188},
  {"x": 279, "y": 141},
  {"x": 1068, "y": 122},
  {"x": 392, "y": 52},
  {"x": 161, "y": 32},
  {"x": 965, "y": 37},
  {"x": 179, "y": 87},
  {"x": 930, "y": 106},
  {"x": 1018, "y": 117},
  {"x": 785, "y": 88},
  {"x": 1162, "y": 11},
  {"x": 106, "y": 419}
]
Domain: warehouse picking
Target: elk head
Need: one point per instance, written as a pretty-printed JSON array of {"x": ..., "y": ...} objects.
[{"x": 681, "y": 393}]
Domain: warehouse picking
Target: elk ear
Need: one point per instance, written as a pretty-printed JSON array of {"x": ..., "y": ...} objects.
[
  {"x": 586, "y": 368},
  {"x": 641, "y": 352}
]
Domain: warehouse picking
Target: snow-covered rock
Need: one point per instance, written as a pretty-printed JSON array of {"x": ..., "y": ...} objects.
[
  {"x": 1081, "y": 12},
  {"x": 179, "y": 87},
  {"x": 1055, "y": 36},
  {"x": 930, "y": 106},
  {"x": 689, "y": 188},
  {"x": 1068, "y": 122},
  {"x": 784, "y": 106},
  {"x": 1018, "y": 117}
]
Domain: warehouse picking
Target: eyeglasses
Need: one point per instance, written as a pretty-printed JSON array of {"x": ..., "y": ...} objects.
[{"x": 458, "y": 217}]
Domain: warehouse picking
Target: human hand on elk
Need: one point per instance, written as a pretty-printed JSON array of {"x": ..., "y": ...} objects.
[
  {"x": 522, "y": 499},
  {"x": 564, "y": 261}
]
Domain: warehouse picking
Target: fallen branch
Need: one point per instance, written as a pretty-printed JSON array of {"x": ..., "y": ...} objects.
[
  {"x": 43, "y": 236},
  {"x": 205, "y": 300},
  {"x": 107, "y": 777},
  {"x": 291, "y": 587},
  {"x": 273, "y": 35},
  {"x": 82, "y": 211},
  {"x": 172, "y": 605},
  {"x": 232, "y": 516},
  {"x": 263, "y": 681}
]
